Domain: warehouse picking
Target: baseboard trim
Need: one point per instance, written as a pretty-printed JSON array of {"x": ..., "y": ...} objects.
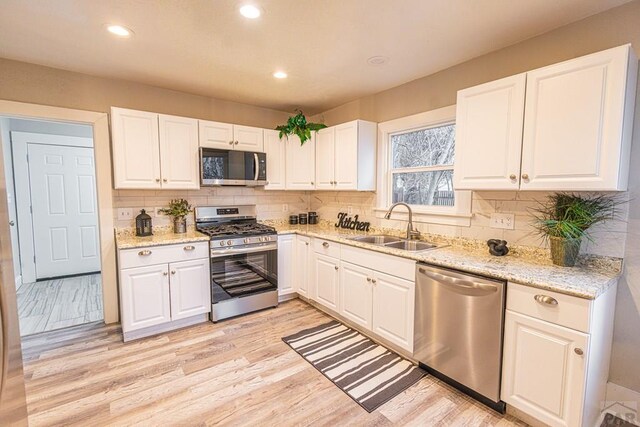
[
  {"x": 287, "y": 297},
  {"x": 622, "y": 402},
  {"x": 165, "y": 327}
]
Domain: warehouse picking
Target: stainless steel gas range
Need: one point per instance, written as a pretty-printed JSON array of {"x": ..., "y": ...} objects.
[{"x": 244, "y": 260}]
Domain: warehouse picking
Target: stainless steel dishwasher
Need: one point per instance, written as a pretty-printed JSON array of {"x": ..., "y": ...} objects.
[{"x": 459, "y": 321}]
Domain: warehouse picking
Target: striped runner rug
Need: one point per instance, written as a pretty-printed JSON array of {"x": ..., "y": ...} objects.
[{"x": 369, "y": 373}]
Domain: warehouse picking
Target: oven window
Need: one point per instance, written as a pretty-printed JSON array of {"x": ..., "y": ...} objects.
[{"x": 244, "y": 274}]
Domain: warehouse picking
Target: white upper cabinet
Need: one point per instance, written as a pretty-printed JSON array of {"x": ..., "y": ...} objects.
[
  {"x": 228, "y": 136},
  {"x": 216, "y": 135},
  {"x": 276, "y": 160},
  {"x": 345, "y": 157},
  {"x": 167, "y": 144},
  {"x": 179, "y": 152},
  {"x": 489, "y": 135},
  {"x": 577, "y": 128},
  {"x": 300, "y": 163},
  {"x": 135, "y": 137},
  {"x": 576, "y": 132}
]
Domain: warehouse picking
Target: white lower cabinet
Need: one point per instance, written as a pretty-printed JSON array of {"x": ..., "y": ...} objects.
[
  {"x": 556, "y": 354},
  {"x": 286, "y": 246},
  {"x": 163, "y": 288},
  {"x": 393, "y": 309},
  {"x": 145, "y": 296},
  {"x": 327, "y": 279},
  {"x": 302, "y": 266},
  {"x": 356, "y": 294}
]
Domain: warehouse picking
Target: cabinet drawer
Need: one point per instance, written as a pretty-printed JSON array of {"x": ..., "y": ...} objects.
[
  {"x": 396, "y": 266},
  {"x": 326, "y": 247},
  {"x": 152, "y": 255},
  {"x": 571, "y": 312}
]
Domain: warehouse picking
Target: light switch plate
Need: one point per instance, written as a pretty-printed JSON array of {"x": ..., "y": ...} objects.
[
  {"x": 125, "y": 214},
  {"x": 503, "y": 220}
]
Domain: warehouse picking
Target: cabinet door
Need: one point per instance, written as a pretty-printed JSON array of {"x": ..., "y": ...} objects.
[
  {"x": 301, "y": 266},
  {"x": 145, "y": 297},
  {"x": 346, "y": 156},
  {"x": 327, "y": 279},
  {"x": 248, "y": 138},
  {"x": 356, "y": 294},
  {"x": 301, "y": 163},
  {"x": 135, "y": 137},
  {"x": 216, "y": 135},
  {"x": 393, "y": 309},
  {"x": 325, "y": 158},
  {"x": 276, "y": 160},
  {"x": 489, "y": 135},
  {"x": 179, "y": 153},
  {"x": 543, "y": 375},
  {"x": 286, "y": 248},
  {"x": 190, "y": 288},
  {"x": 573, "y": 126}
]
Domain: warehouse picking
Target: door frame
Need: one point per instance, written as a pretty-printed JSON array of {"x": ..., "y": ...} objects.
[
  {"x": 104, "y": 179},
  {"x": 19, "y": 145}
]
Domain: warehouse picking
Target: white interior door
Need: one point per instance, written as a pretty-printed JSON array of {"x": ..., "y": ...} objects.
[{"x": 64, "y": 210}]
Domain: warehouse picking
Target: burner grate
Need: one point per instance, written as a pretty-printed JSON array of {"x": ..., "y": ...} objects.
[{"x": 235, "y": 229}]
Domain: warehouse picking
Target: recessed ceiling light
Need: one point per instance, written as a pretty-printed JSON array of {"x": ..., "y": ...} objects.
[
  {"x": 119, "y": 30},
  {"x": 280, "y": 75},
  {"x": 250, "y": 11},
  {"x": 378, "y": 60}
]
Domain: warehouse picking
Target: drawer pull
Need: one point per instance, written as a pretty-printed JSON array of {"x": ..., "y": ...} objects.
[
  {"x": 189, "y": 248},
  {"x": 578, "y": 351},
  {"x": 146, "y": 252},
  {"x": 325, "y": 244},
  {"x": 545, "y": 299}
]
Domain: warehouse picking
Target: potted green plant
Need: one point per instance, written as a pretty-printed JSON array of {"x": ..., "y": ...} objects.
[
  {"x": 178, "y": 209},
  {"x": 566, "y": 218},
  {"x": 298, "y": 125}
]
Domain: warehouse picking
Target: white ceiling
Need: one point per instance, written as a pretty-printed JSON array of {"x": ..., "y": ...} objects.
[{"x": 205, "y": 47}]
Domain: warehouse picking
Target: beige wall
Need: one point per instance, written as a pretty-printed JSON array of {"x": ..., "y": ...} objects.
[{"x": 612, "y": 28}]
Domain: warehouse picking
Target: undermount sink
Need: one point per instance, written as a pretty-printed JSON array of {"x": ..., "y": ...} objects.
[
  {"x": 411, "y": 245},
  {"x": 377, "y": 239}
]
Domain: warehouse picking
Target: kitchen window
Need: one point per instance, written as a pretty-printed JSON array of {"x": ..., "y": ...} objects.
[{"x": 416, "y": 156}]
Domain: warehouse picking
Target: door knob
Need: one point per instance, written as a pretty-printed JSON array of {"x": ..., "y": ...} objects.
[
  {"x": 368, "y": 279},
  {"x": 165, "y": 273},
  {"x": 325, "y": 244},
  {"x": 525, "y": 176},
  {"x": 173, "y": 272},
  {"x": 230, "y": 142},
  {"x": 12, "y": 223},
  {"x": 311, "y": 182},
  {"x": 578, "y": 351},
  {"x": 236, "y": 142},
  {"x": 336, "y": 267},
  {"x": 164, "y": 180},
  {"x": 512, "y": 177},
  {"x": 157, "y": 179},
  {"x": 374, "y": 281}
]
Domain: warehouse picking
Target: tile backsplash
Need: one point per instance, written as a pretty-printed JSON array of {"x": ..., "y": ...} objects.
[{"x": 609, "y": 238}]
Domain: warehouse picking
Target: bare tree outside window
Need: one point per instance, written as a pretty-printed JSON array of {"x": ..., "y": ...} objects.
[{"x": 422, "y": 166}]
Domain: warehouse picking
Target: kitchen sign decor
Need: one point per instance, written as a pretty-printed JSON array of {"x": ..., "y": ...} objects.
[{"x": 348, "y": 223}]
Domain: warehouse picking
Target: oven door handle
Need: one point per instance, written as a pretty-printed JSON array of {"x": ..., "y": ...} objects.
[{"x": 217, "y": 253}]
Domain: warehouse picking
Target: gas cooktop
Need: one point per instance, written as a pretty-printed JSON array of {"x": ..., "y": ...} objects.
[{"x": 252, "y": 228}]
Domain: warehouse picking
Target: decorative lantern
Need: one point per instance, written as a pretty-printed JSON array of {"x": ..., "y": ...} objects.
[{"x": 143, "y": 224}]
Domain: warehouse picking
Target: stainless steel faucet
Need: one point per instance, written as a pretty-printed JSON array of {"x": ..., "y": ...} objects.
[{"x": 412, "y": 233}]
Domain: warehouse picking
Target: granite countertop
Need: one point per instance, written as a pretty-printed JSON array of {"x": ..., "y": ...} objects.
[
  {"x": 591, "y": 277},
  {"x": 126, "y": 238}
]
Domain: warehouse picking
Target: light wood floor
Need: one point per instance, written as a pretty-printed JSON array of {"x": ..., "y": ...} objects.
[
  {"x": 237, "y": 372},
  {"x": 59, "y": 303}
]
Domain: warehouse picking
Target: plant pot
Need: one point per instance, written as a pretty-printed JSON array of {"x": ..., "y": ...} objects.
[
  {"x": 179, "y": 225},
  {"x": 564, "y": 252}
]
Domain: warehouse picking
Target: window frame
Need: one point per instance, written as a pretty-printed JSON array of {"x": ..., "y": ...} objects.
[{"x": 460, "y": 212}]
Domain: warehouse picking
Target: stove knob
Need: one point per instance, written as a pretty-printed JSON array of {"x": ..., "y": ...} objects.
[
  {"x": 222, "y": 243},
  {"x": 246, "y": 240},
  {"x": 229, "y": 243},
  {"x": 266, "y": 239}
]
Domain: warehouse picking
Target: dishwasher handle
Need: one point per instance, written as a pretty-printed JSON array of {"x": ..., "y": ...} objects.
[{"x": 461, "y": 286}]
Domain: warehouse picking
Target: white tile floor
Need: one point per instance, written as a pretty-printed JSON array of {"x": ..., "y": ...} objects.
[{"x": 59, "y": 303}]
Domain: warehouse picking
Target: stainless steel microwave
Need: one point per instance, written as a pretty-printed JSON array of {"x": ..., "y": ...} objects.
[{"x": 228, "y": 167}]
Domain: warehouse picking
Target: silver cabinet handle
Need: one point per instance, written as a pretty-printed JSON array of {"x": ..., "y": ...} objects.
[
  {"x": 189, "y": 248},
  {"x": 545, "y": 299},
  {"x": 325, "y": 244},
  {"x": 12, "y": 223},
  {"x": 146, "y": 252},
  {"x": 165, "y": 273},
  {"x": 578, "y": 351},
  {"x": 512, "y": 177},
  {"x": 336, "y": 267},
  {"x": 173, "y": 272},
  {"x": 525, "y": 176}
]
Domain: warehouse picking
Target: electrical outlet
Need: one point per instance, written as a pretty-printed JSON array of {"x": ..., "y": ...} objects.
[
  {"x": 285, "y": 207},
  {"x": 502, "y": 220},
  {"x": 125, "y": 214},
  {"x": 350, "y": 210}
]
